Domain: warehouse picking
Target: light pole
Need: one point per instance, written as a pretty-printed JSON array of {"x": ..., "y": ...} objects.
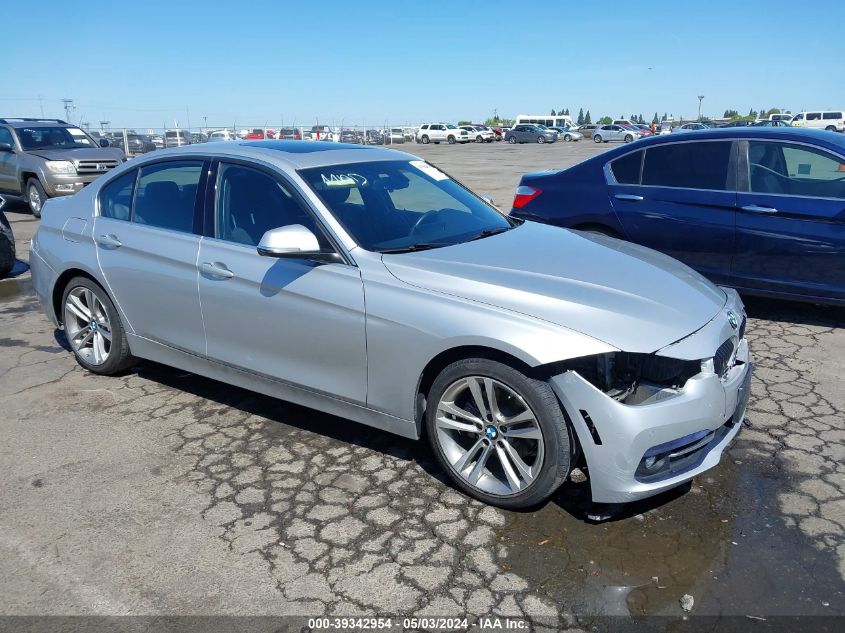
[{"x": 700, "y": 98}]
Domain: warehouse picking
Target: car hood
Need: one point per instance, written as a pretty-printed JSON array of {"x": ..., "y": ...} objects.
[
  {"x": 79, "y": 153},
  {"x": 628, "y": 296}
]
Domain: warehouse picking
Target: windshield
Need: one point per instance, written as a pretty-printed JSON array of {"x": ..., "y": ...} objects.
[
  {"x": 451, "y": 127},
  {"x": 53, "y": 138},
  {"x": 399, "y": 205}
]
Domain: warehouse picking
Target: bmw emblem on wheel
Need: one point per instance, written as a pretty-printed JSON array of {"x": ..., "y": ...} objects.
[{"x": 733, "y": 319}]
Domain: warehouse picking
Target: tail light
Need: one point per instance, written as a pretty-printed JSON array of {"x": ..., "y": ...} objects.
[{"x": 524, "y": 195}]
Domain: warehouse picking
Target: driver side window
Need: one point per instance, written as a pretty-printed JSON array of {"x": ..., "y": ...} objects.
[
  {"x": 798, "y": 170},
  {"x": 251, "y": 202}
]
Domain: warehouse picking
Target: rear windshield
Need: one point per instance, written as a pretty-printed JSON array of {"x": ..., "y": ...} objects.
[{"x": 53, "y": 138}]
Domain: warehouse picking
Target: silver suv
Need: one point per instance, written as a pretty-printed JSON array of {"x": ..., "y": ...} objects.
[{"x": 42, "y": 158}]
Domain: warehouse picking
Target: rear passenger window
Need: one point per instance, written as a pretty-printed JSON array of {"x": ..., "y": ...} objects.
[
  {"x": 166, "y": 195},
  {"x": 626, "y": 170},
  {"x": 832, "y": 115},
  {"x": 116, "y": 197},
  {"x": 701, "y": 165}
]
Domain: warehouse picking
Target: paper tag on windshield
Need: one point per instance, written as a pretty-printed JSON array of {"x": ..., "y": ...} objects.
[
  {"x": 339, "y": 180},
  {"x": 429, "y": 170}
]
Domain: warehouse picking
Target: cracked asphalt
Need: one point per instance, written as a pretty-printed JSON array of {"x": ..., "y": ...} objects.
[{"x": 160, "y": 492}]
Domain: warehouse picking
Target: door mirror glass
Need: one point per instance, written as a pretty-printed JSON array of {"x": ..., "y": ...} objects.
[
  {"x": 104, "y": 142},
  {"x": 293, "y": 240},
  {"x": 6, "y": 147}
]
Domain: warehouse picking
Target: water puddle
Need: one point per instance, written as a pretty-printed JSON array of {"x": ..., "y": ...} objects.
[
  {"x": 722, "y": 541},
  {"x": 14, "y": 288}
]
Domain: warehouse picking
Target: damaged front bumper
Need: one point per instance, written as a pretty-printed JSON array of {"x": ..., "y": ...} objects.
[{"x": 639, "y": 450}]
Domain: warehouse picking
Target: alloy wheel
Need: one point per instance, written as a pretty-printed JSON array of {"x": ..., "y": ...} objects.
[
  {"x": 88, "y": 326},
  {"x": 35, "y": 201},
  {"x": 489, "y": 435}
]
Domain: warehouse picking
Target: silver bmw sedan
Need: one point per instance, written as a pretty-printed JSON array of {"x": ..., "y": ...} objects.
[{"x": 367, "y": 283}]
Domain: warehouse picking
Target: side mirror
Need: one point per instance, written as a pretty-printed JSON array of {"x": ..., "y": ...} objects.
[
  {"x": 293, "y": 241},
  {"x": 6, "y": 147},
  {"x": 104, "y": 142}
]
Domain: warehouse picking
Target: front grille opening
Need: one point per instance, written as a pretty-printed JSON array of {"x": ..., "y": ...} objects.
[
  {"x": 722, "y": 357},
  {"x": 592, "y": 427}
]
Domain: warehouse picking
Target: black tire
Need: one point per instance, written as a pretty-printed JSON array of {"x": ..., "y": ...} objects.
[
  {"x": 450, "y": 139},
  {"x": 119, "y": 358},
  {"x": 541, "y": 399},
  {"x": 597, "y": 138},
  {"x": 7, "y": 247},
  {"x": 541, "y": 139},
  {"x": 831, "y": 128},
  {"x": 35, "y": 207},
  {"x": 512, "y": 140},
  {"x": 425, "y": 139},
  {"x": 628, "y": 138}
]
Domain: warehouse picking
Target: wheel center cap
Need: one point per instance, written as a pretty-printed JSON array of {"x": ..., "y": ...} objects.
[{"x": 491, "y": 432}]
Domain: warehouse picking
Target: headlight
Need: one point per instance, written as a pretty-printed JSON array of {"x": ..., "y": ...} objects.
[{"x": 61, "y": 167}]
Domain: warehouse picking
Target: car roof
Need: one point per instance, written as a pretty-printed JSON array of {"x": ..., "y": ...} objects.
[
  {"x": 18, "y": 123},
  {"x": 820, "y": 137},
  {"x": 290, "y": 154}
]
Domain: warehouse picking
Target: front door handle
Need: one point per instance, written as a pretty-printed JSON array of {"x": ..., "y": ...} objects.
[
  {"x": 753, "y": 208},
  {"x": 628, "y": 196},
  {"x": 216, "y": 270},
  {"x": 109, "y": 240}
]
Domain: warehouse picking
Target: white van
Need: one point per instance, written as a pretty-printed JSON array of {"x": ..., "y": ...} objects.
[{"x": 833, "y": 120}]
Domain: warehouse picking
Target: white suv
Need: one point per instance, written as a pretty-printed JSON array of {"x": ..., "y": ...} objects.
[
  {"x": 437, "y": 132},
  {"x": 833, "y": 120},
  {"x": 479, "y": 134}
]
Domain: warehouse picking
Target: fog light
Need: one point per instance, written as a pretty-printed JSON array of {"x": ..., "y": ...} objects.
[
  {"x": 64, "y": 187},
  {"x": 648, "y": 462}
]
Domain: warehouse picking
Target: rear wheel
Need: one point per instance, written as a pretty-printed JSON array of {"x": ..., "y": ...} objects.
[
  {"x": 597, "y": 138},
  {"x": 93, "y": 328},
  {"x": 35, "y": 196},
  {"x": 500, "y": 435},
  {"x": 831, "y": 128}
]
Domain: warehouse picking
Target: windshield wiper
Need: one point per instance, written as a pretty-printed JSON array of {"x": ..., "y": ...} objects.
[
  {"x": 419, "y": 246},
  {"x": 489, "y": 232}
]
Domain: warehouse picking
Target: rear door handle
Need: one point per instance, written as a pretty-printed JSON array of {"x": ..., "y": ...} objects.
[
  {"x": 753, "y": 208},
  {"x": 109, "y": 240},
  {"x": 628, "y": 196},
  {"x": 216, "y": 270}
]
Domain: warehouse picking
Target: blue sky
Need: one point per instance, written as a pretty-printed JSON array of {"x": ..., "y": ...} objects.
[{"x": 145, "y": 64}]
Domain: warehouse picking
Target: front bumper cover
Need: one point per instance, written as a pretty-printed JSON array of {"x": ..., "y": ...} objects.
[{"x": 622, "y": 434}]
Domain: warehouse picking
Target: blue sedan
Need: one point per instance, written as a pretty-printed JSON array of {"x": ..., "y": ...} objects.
[{"x": 758, "y": 209}]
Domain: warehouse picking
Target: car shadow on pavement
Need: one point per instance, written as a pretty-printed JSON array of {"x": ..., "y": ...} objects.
[{"x": 794, "y": 312}]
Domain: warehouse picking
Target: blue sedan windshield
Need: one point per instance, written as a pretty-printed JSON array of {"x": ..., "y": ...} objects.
[{"x": 394, "y": 206}]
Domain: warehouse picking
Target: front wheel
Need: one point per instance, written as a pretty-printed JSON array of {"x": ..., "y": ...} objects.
[
  {"x": 425, "y": 140},
  {"x": 500, "y": 435},
  {"x": 93, "y": 328},
  {"x": 628, "y": 138},
  {"x": 597, "y": 138},
  {"x": 567, "y": 137},
  {"x": 35, "y": 196},
  {"x": 541, "y": 139},
  {"x": 512, "y": 140},
  {"x": 451, "y": 140}
]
